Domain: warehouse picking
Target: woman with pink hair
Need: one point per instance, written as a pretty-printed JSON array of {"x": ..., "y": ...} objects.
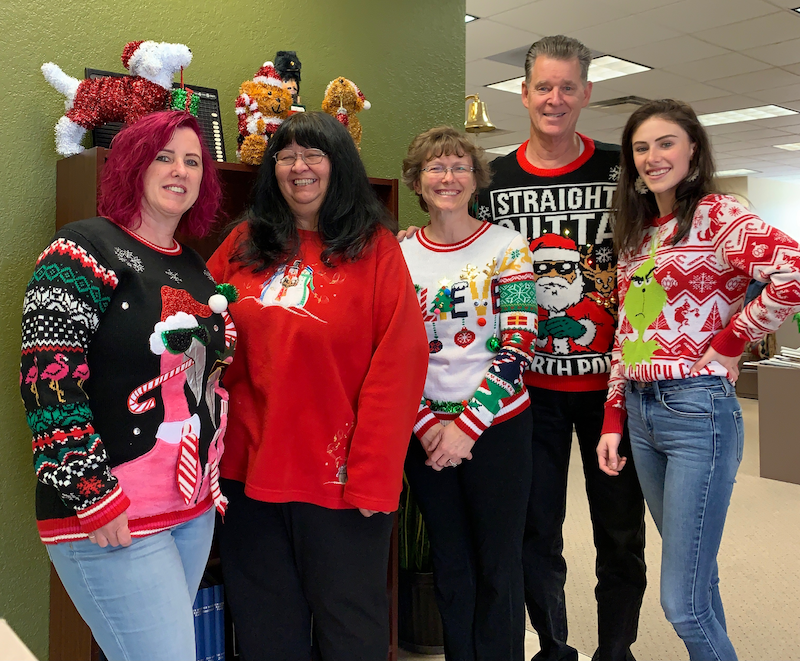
[{"x": 126, "y": 329}]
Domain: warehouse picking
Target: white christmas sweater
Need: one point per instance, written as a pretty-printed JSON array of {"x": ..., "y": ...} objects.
[
  {"x": 676, "y": 301},
  {"x": 474, "y": 295}
]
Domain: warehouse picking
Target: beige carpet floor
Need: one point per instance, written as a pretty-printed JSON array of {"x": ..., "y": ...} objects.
[{"x": 758, "y": 563}]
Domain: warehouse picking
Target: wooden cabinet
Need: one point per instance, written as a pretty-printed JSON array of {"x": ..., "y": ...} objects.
[{"x": 77, "y": 179}]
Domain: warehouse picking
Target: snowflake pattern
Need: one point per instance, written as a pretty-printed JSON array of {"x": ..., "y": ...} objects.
[
  {"x": 702, "y": 283},
  {"x": 484, "y": 213},
  {"x": 174, "y": 276},
  {"x": 613, "y": 173},
  {"x": 127, "y": 257},
  {"x": 89, "y": 485},
  {"x": 604, "y": 255}
]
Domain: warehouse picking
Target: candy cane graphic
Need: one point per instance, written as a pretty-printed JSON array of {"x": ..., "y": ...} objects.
[
  {"x": 135, "y": 406},
  {"x": 230, "y": 329}
]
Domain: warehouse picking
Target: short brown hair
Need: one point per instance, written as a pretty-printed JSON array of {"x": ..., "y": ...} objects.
[
  {"x": 443, "y": 141},
  {"x": 559, "y": 47}
]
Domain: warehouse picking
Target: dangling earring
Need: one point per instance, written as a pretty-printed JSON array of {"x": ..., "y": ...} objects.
[
  {"x": 693, "y": 177},
  {"x": 640, "y": 187}
]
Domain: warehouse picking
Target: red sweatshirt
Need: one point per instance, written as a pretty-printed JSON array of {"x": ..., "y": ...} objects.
[{"x": 329, "y": 370}]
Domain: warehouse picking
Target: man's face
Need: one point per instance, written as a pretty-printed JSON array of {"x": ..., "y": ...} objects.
[
  {"x": 559, "y": 284},
  {"x": 554, "y": 96}
]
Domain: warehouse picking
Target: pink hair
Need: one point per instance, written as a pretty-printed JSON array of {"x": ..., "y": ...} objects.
[{"x": 133, "y": 150}]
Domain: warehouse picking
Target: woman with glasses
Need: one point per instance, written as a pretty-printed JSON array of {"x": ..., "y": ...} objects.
[
  {"x": 469, "y": 461},
  {"x": 123, "y": 347},
  {"x": 328, "y": 376}
]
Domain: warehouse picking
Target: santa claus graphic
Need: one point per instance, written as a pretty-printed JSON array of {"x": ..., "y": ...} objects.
[{"x": 569, "y": 322}]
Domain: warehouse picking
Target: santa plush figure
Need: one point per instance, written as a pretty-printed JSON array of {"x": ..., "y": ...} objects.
[{"x": 569, "y": 321}]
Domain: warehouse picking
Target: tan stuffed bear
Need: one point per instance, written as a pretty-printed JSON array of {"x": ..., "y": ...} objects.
[
  {"x": 343, "y": 100},
  {"x": 261, "y": 106}
]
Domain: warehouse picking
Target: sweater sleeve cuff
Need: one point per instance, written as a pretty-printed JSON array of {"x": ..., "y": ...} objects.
[
  {"x": 614, "y": 420},
  {"x": 103, "y": 511},
  {"x": 425, "y": 420},
  {"x": 471, "y": 424},
  {"x": 727, "y": 343}
]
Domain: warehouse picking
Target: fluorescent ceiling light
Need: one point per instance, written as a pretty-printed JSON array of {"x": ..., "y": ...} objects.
[
  {"x": 505, "y": 149},
  {"x": 791, "y": 146},
  {"x": 468, "y": 18},
  {"x": 741, "y": 172},
  {"x": 514, "y": 85},
  {"x": 601, "y": 68},
  {"x": 608, "y": 67},
  {"x": 797, "y": 9},
  {"x": 743, "y": 115}
]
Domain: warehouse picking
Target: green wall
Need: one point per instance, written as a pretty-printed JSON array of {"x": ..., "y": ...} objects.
[{"x": 406, "y": 56}]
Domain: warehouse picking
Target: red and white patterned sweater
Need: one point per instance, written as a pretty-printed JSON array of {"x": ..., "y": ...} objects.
[{"x": 675, "y": 301}]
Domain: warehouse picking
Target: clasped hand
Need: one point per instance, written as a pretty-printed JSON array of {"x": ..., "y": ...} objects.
[{"x": 446, "y": 446}]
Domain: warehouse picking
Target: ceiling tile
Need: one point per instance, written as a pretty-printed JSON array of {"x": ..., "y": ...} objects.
[
  {"x": 762, "y": 31},
  {"x": 695, "y": 15},
  {"x": 677, "y": 50},
  {"x": 721, "y": 66},
  {"x": 778, "y": 95},
  {"x": 621, "y": 34},
  {"x": 720, "y": 104},
  {"x": 484, "y": 8},
  {"x": 779, "y": 55},
  {"x": 559, "y": 16},
  {"x": 484, "y": 72},
  {"x": 756, "y": 81},
  {"x": 485, "y": 37}
]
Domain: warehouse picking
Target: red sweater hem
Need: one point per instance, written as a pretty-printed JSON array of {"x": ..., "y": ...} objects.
[{"x": 57, "y": 531}]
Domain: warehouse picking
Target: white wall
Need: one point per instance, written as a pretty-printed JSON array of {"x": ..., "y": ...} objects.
[{"x": 776, "y": 202}]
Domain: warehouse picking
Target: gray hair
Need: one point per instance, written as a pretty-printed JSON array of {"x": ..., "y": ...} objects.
[{"x": 559, "y": 47}]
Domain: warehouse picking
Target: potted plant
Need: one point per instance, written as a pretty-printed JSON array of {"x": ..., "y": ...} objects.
[{"x": 420, "y": 625}]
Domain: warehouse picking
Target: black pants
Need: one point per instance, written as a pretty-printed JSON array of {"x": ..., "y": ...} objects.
[
  {"x": 285, "y": 564},
  {"x": 475, "y": 515},
  {"x": 617, "y": 512}
]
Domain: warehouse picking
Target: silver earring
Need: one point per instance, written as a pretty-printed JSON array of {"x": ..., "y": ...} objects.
[
  {"x": 693, "y": 177},
  {"x": 640, "y": 187}
]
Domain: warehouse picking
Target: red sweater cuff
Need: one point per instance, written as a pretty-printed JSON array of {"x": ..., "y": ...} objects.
[
  {"x": 727, "y": 343},
  {"x": 98, "y": 514},
  {"x": 425, "y": 420},
  {"x": 614, "y": 420},
  {"x": 472, "y": 426}
]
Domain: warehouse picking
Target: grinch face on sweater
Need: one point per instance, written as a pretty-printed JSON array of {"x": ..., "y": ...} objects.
[{"x": 643, "y": 303}]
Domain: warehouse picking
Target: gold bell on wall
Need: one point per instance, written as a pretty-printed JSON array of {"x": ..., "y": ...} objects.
[{"x": 477, "y": 118}]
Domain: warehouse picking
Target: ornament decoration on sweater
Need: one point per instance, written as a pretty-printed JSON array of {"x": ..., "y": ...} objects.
[
  {"x": 481, "y": 322},
  {"x": 677, "y": 301}
]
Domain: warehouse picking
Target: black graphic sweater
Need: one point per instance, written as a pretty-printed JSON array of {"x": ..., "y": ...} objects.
[
  {"x": 564, "y": 214},
  {"x": 121, "y": 362}
]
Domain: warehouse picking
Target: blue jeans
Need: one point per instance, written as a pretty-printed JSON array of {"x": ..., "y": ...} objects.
[
  {"x": 687, "y": 439},
  {"x": 137, "y": 600}
]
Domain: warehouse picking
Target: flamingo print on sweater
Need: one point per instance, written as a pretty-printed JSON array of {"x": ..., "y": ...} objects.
[{"x": 130, "y": 390}]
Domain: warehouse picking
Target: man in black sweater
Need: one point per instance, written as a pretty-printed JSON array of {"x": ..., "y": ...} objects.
[{"x": 556, "y": 189}]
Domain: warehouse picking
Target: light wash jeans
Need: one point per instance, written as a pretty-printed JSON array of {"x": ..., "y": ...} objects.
[
  {"x": 687, "y": 438},
  {"x": 137, "y": 600}
]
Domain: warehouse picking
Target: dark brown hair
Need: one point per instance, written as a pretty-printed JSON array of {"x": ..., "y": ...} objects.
[{"x": 633, "y": 211}]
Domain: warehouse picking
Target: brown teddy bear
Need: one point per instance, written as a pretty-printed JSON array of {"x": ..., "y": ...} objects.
[
  {"x": 343, "y": 100},
  {"x": 261, "y": 107}
]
